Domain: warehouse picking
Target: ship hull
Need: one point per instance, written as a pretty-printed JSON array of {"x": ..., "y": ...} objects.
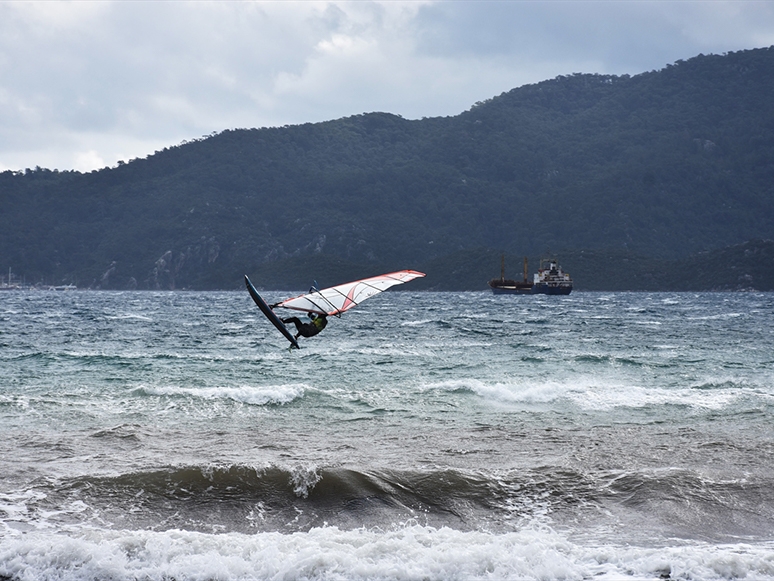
[
  {"x": 540, "y": 289},
  {"x": 512, "y": 291}
]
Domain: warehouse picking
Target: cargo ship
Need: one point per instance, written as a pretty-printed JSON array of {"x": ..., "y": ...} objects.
[
  {"x": 551, "y": 280},
  {"x": 507, "y": 286}
]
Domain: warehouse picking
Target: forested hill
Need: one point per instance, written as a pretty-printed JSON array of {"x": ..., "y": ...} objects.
[{"x": 659, "y": 165}]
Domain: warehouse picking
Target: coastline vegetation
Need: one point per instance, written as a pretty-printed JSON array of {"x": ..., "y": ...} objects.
[{"x": 667, "y": 176}]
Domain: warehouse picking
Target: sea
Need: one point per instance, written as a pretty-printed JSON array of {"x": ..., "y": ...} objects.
[{"x": 422, "y": 436}]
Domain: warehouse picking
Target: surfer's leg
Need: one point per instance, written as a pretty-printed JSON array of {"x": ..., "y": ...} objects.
[{"x": 295, "y": 320}]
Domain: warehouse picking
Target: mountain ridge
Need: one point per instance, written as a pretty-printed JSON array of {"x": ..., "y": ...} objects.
[{"x": 662, "y": 165}]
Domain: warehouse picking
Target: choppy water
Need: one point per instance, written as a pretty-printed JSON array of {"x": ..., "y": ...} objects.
[{"x": 421, "y": 436}]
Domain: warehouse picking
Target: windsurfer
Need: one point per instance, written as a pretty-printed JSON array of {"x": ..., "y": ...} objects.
[
  {"x": 326, "y": 302},
  {"x": 308, "y": 329}
]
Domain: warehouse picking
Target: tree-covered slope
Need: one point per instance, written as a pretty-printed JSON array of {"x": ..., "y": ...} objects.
[{"x": 662, "y": 165}]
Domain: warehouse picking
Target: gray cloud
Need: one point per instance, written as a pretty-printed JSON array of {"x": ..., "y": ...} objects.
[
  {"x": 84, "y": 84},
  {"x": 622, "y": 36}
]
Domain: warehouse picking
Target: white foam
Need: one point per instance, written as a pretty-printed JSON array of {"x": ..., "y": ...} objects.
[
  {"x": 504, "y": 391},
  {"x": 129, "y": 317},
  {"x": 304, "y": 479},
  {"x": 328, "y": 553},
  {"x": 416, "y": 323},
  {"x": 254, "y": 395},
  {"x": 14, "y": 506},
  {"x": 593, "y": 393},
  {"x": 604, "y": 397}
]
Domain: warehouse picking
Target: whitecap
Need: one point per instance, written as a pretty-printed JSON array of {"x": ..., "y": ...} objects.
[
  {"x": 248, "y": 394},
  {"x": 516, "y": 391},
  {"x": 416, "y": 323},
  {"x": 404, "y": 552}
]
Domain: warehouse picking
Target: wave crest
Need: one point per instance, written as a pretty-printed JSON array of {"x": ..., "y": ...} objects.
[{"x": 247, "y": 394}]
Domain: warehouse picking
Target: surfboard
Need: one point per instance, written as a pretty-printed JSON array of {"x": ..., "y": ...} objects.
[{"x": 266, "y": 310}]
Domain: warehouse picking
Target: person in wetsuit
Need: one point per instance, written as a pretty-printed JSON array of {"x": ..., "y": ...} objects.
[{"x": 308, "y": 329}]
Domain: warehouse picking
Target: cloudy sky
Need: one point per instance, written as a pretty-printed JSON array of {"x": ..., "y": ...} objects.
[{"x": 84, "y": 84}]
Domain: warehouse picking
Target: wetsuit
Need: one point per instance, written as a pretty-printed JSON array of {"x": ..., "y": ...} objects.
[{"x": 308, "y": 329}]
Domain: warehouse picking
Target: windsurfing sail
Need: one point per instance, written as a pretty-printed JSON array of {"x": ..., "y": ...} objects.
[{"x": 337, "y": 299}]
